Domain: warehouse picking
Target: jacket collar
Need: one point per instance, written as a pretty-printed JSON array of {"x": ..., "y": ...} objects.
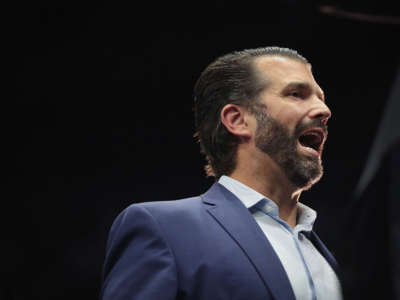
[{"x": 238, "y": 222}]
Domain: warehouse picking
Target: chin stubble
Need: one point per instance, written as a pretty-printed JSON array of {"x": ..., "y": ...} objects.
[{"x": 274, "y": 139}]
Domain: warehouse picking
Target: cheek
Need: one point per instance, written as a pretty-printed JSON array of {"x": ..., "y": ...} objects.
[
  {"x": 251, "y": 122},
  {"x": 290, "y": 117}
]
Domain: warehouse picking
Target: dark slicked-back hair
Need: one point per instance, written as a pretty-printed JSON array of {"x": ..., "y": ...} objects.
[{"x": 231, "y": 78}]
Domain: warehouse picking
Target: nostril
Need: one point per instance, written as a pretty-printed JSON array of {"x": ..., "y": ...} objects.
[
  {"x": 322, "y": 113},
  {"x": 323, "y": 116}
]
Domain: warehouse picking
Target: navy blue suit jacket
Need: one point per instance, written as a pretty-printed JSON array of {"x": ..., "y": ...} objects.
[{"x": 208, "y": 247}]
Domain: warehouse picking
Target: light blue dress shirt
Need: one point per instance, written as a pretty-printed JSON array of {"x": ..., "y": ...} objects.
[{"x": 310, "y": 275}]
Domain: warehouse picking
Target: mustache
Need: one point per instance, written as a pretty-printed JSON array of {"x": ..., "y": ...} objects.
[{"x": 315, "y": 123}]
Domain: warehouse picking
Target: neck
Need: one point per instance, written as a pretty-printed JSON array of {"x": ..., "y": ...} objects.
[{"x": 269, "y": 180}]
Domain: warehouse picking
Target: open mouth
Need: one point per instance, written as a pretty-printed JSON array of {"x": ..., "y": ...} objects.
[{"x": 312, "y": 140}]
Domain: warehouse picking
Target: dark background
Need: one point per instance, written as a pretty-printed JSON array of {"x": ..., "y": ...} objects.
[{"x": 100, "y": 116}]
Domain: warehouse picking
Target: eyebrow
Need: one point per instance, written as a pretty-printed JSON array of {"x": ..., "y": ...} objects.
[{"x": 304, "y": 86}]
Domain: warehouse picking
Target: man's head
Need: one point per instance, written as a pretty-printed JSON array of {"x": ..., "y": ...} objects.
[{"x": 259, "y": 82}]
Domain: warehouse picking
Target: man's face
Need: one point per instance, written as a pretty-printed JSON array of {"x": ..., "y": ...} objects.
[{"x": 291, "y": 120}]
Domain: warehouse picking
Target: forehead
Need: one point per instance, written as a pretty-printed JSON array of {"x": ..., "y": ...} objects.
[{"x": 280, "y": 71}]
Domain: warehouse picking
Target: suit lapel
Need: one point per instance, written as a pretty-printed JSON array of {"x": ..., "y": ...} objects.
[{"x": 237, "y": 221}]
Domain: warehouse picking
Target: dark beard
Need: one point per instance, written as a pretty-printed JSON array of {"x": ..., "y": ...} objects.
[{"x": 274, "y": 139}]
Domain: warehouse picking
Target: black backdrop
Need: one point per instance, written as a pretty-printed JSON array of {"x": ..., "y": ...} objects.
[{"x": 101, "y": 117}]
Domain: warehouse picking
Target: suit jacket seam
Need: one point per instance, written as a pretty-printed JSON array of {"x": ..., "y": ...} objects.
[{"x": 163, "y": 236}]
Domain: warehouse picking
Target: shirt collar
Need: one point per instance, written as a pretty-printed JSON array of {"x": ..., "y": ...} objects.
[
  {"x": 250, "y": 198},
  {"x": 305, "y": 217},
  {"x": 247, "y": 195}
]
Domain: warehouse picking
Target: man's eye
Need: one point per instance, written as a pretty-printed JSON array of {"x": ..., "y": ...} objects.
[{"x": 295, "y": 94}]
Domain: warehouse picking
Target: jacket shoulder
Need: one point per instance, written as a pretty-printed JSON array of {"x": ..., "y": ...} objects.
[{"x": 167, "y": 208}]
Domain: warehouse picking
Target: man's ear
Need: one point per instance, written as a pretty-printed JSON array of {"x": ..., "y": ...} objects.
[{"x": 235, "y": 119}]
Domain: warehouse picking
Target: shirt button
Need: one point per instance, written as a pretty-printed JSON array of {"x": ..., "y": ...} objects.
[{"x": 269, "y": 208}]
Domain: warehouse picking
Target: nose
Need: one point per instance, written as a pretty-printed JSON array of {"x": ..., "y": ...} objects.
[{"x": 321, "y": 111}]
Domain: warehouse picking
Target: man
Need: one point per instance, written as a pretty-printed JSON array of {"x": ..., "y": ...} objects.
[{"x": 261, "y": 122}]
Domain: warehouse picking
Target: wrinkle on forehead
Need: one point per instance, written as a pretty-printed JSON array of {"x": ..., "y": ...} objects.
[{"x": 279, "y": 71}]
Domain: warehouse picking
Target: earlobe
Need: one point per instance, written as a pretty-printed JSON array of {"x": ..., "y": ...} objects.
[{"x": 234, "y": 118}]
